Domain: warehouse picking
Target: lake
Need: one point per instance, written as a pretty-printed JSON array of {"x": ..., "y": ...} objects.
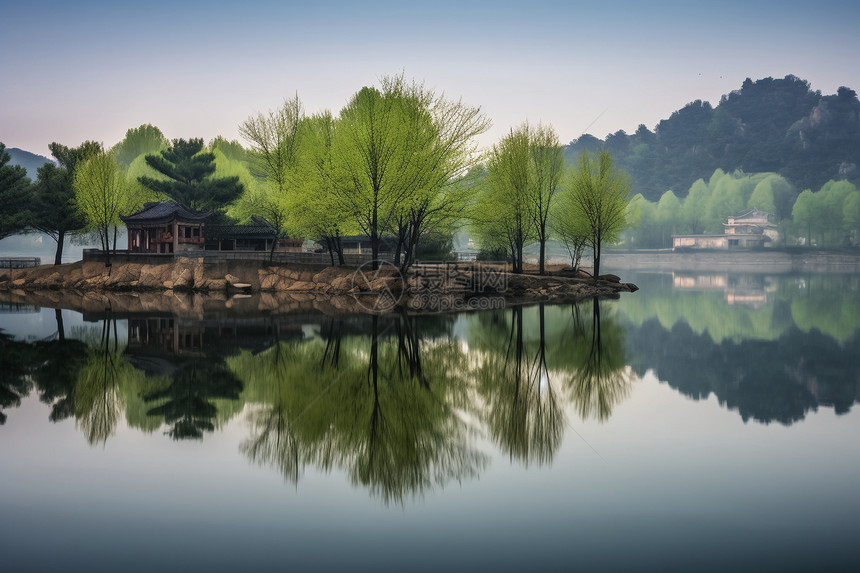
[{"x": 707, "y": 422}]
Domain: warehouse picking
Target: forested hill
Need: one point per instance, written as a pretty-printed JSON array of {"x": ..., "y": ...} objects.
[
  {"x": 29, "y": 161},
  {"x": 770, "y": 125}
]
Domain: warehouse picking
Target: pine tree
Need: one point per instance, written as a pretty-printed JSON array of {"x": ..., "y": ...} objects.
[
  {"x": 14, "y": 186},
  {"x": 189, "y": 171}
]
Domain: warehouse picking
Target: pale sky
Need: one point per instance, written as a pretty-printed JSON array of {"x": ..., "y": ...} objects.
[{"x": 91, "y": 69}]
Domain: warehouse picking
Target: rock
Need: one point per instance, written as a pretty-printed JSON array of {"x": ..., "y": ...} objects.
[
  {"x": 301, "y": 286},
  {"x": 610, "y": 278},
  {"x": 631, "y": 287}
]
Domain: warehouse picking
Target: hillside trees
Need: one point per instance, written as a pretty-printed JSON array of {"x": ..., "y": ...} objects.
[
  {"x": 143, "y": 140},
  {"x": 188, "y": 171},
  {"x": 770, "y": 125},
  {"x": 826, "y": 217}
]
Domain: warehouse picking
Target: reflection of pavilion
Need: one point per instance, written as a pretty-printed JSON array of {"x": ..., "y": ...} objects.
[
  {"x": 748, "y": 290},
  {"x": 170, "y": 337}
]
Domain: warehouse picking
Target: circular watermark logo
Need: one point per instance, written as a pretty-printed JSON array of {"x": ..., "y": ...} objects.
[{"x": 380, "y": 289}]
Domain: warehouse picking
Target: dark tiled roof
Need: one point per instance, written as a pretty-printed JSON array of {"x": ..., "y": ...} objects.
[
  {"x": 163, "y": 212},
  {"x": 240, "y": 231}
]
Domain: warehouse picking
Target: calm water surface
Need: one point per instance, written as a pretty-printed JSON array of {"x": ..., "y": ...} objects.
[{"x": 706, "y": 422}]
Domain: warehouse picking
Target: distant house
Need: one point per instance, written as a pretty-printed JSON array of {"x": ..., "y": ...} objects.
[
  {"x": 168, "y": 227},
  {"x": 165, "y": 227},
  {"x": 747, "y": 230},
  {"x": 257, "y": 235}
]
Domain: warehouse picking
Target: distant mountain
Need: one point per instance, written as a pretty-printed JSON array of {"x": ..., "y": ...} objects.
[
  {"x": 29, "y": 161},
  {"x": 778, "y": 125}
]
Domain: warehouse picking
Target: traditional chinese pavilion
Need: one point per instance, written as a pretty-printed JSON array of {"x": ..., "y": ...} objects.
[{"x": 164, "y": 227}]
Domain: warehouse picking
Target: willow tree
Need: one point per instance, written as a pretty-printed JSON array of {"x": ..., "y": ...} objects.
[
  {"x": 372, "y": 153},
  {"x": 316, "y": 210},
  {"x": 443, "y": 147},
  {"x": 569, "y": 229},
  {"x": 103, "y": 192},
  {"x": 599, "y": 192},
  {"x": 275, "y": 139},
  {"x": 547, "y": 165},
  {"x": 503, "y": 213}
]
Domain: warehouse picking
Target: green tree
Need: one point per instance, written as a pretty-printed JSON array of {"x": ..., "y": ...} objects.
[
  {"x": 851, "y": 214},
  {"x": 548, "y": 164},
  {"x": 14, "y": 189},
  {"x": 275, "y": 141},
  {"x": 103, "y": 192},
  {"x": 693, "y": 208},
  {"x": 55, "y": 211},
  {"x": 444, "y": 152},
  {"x": 315, "y": 210},
  {"x": 371, "y": 155},
  {"x": 503, "y": 214},
  {"x": 600, "y": 193},
  {"x": 569, "y": 229},
  {"x": 668, "y": 216},
  {"x": 189, "y": 171},
  {"x": 146, "y": 139}
]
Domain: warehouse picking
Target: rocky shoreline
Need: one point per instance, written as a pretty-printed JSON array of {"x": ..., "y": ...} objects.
[{"x": 301, "y": 287}]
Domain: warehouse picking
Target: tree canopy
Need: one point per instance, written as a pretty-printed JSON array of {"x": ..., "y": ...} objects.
[
  {"x": 14, "y": 187},
  {"x": 189, "y": 181}
]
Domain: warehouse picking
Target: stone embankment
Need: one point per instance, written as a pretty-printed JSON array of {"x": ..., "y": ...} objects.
[{"x": 330, "y": 289}]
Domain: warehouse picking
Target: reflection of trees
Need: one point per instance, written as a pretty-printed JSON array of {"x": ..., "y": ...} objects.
[
  {"x": 828, "y": 303},
  {"x": 57, "y": 375},
  {"x": 15, "y": 358},
  {"x": 526, "y": 375},
  {"x": 601, "y": 379},
  {"x": 766, "y": 381},
  {"x": 186, "y": 403},
  {"x": 97, "y": 398},
  {"x": 385, "y": 410},
  {"x": 524, "y": 413}
]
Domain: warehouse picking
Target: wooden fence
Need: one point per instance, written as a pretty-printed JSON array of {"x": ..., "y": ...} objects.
[{"x": 19, "y": 262}]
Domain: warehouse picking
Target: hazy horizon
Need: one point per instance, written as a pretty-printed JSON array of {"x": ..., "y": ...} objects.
[{"x": 92, "y": 70}]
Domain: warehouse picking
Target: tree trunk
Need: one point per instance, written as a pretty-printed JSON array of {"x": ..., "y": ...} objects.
[
  {"x": 337, "y": 242},
  {"x": 542, "y": 257},
  {"x": 61, "y": 331},
  {"x": 329, "y": 242},
  {"x": 272, "y": 250},
  {"x": 374, "y": 248},
  {"x": 58, "y": 257}
]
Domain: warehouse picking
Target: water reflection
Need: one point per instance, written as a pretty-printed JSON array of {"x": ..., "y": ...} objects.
[
  {"x": 772, "y": 363},
  {"x": 398, "y": 403},
  {"x": 404, "y": 404},
  {"x": 383, "y": 407}
]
